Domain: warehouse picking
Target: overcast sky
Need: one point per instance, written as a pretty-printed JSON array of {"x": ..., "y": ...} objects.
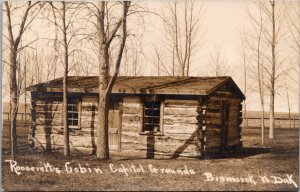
[{"x": 221, "y": 25}]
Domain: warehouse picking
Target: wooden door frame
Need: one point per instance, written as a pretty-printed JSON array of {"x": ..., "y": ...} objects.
[
  {"x": 224, "y": 124},
  {"x": 117, "y": 104},
  {"x": 120, "y": 125}
]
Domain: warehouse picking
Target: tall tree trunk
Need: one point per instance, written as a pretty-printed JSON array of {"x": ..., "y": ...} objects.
[
  {"x": 14, "y": 94},
  {"x": 25, "y": 95},
  {"x": 65, "y": 112},
  {"x": 272, "y": 80},
  {"x": 245, "y": 85},
  {"x": 288, "y": 103},
  {"x": 182, "y": 70},
  {"x": 260, "y": 74},
  {"x": 173, "y": 62},
  {"x": 272, "y": 120},
  {"x": 102, "y": 132},
  {"x": 158, "y": 72},
  {"x": 14, "y": 101},
  {"x": 262, "y": 122},
  {"x": 189, "y": 40},
  {"x": 65, "y": 83},
  {"x": 261, "y": 97},
  {"x": 289, "y": 108},
  {"x": 103, "y": 58},
  {"x": 105, "y": 82}
]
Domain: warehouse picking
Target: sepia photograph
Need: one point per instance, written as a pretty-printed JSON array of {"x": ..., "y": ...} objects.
[{"x": 174, "y": 95}]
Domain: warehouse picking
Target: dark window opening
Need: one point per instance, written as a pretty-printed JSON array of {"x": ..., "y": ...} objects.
[{"x": 151, "y": 117}]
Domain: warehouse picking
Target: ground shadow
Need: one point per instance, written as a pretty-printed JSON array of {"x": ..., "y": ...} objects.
[
  {"x": 31, "y": 142},
  {"x": 150, "y": 145},
  {"x": 48, "y": 122},
  {"x": 235, "y": 153}
]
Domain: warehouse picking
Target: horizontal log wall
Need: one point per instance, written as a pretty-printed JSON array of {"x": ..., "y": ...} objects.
[
  {"x": 180, "y": 127},
  {"x": 48, "y": 129},
  {"x": 78, "y": 144},
  {"x": 132, "y": 116},
  {"x": 180, "y": 135},
  {"x": 89, "y": 113}
]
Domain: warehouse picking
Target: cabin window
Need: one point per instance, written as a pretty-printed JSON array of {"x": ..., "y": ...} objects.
[
  {"x": 74, "y": 114},
  {"x": 152, "y": 113}
]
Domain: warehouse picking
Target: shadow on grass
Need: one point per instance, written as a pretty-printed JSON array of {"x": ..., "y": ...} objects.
[
  {"x": 215, "y": 153},
  {"x": 239, "y": 154}
]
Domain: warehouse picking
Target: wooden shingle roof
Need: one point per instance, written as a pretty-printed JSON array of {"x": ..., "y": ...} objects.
[{"x": 142, "y": 85}]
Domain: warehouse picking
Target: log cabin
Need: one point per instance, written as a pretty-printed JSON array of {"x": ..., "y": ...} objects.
[{"x": 166, "y": 117}]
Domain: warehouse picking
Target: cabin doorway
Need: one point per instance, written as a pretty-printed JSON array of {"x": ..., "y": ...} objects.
[
  {"x": 114, "y": 126},
  {"x": 224, "y": 125}
]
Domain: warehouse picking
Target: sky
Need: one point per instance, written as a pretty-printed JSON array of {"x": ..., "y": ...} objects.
[{"x": 221, "y": 25}]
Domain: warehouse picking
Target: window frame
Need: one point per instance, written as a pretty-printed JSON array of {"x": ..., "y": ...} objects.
[
  {"x": 159, "y": 132},
  {"x": 70, "y": 103}
]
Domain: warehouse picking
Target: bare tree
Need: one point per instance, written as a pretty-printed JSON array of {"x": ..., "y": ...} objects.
[
  {"x": 108, "y": 42},
  {"x": 255, "y": 43},
  {"x": 64, "y": 29},
  {"x": 245, "y": 74},
  {"x": 66, "y": 12},
  {"x": 293, "y": 39},
  {"x": 36, "y": 66},
  {"x": 288, "y": 101},
  {"x": 182, "y": 30},
  {"x": 15, "y": 34},
  {"x": 159, "y": 62},
  {"x": 273, "y": 34},
  {"x": 133, "y": 53},
  {"x": 23, "y": 64},
  {"x": 292, "y": 21},
  {"x": 268, "y": 34},
  {"x": 273, "y": 68},
  {"x": 105, "y": 36},
  {"x": 218, "y": 63},
  {"x": 64, "y": 17}
]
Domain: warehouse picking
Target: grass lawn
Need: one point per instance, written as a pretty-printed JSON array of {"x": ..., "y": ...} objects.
[{"x": 278, "y": 161}]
